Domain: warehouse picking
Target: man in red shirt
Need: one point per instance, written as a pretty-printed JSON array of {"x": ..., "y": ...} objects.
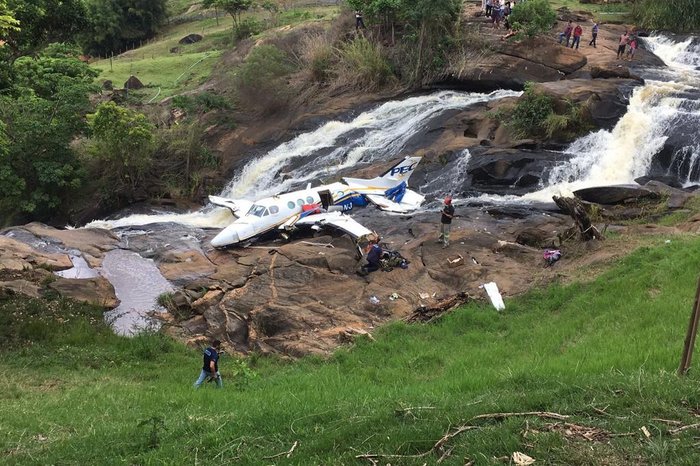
[
  {"x": 578, "y": 31},
  {"x": 624, "y": 38}
]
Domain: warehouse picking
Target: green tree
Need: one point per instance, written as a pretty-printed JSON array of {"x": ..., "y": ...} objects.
[
  {"x": 232, "y": 7},
  {"x": 44, "y": 22},
  {"x": 117, "y": 24},
  {"x": 42, "y": 113},
  {"x": 123, "y": 144},
  {"x": 7, "y": 21},
  {"x": 533, "y": 18}
]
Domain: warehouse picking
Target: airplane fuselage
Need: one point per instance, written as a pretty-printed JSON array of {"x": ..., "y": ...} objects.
[{"x": 284, "y": 209}]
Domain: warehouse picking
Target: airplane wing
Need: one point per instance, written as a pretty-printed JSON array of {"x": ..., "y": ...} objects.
[
  {"x": 411, "y": 201},
  {"x": 336, "y": 220},
  {"x": 237, "y": 206}
]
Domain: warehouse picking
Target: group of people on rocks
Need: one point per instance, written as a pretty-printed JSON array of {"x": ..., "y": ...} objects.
[
  {"x": 571, "y": 37},
  {"x": 628, "y": 42},
  {"x": 572, "y": 33},
  {"x": 499, "y": 11}
]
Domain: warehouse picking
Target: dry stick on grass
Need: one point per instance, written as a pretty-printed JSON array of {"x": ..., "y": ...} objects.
[
  {"x": 288, "y": 453},
  {"x": 682, "y": 428},
  {"x": 449, "y": 436}
]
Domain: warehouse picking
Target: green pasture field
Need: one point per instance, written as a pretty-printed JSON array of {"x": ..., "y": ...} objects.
[
  {"x": 603, "y": 352},
  {"x": 166, "y": 73}
]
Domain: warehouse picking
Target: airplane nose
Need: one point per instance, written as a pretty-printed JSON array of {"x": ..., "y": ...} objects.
[{"x": 227, "y": 237}]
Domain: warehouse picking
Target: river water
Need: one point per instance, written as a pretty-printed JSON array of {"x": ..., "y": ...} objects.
[{"x": 658, "y": 135}]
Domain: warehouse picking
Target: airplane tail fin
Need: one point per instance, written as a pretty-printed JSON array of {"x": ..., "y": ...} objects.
[{"x": 403, "y": 170}]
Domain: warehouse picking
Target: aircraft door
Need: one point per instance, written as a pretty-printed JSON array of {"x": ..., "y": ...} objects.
[{"x": 326, "y": 198}]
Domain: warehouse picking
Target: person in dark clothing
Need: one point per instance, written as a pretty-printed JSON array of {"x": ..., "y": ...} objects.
[
  {"x": 594, "y": 33},
  {"x": 448, "y": 213},
  {"x": 359, "y": 23},
  {"x": 567, "y": 33},
  {"x": 210, "y": 366},
  {"x": 374, "y": 255}
]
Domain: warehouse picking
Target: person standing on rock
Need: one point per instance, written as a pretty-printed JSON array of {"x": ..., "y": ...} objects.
[
  {"x": 210, "y": 366},
  {"x": 448, "y": 213},
  {"x": 578, "y": 31},
  {"x": 594, "y": 33},
  {"x": 567, "y": 33},
  {"x": 624, "y": 39},
  {"x": 359, "y": 23},
  {"x": 633, "y": 47}
]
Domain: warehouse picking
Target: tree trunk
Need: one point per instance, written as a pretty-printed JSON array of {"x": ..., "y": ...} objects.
[{"x": 573, "y": 207}]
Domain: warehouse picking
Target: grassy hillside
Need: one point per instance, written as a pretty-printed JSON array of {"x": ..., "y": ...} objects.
[
  {"x": 168, "y": 68},
  {"x": 604, "y": 353}
]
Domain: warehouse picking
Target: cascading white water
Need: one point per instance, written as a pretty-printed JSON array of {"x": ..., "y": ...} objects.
[
  {"x": 625, "y": 153},
  {"x": 376, "y": 135}
]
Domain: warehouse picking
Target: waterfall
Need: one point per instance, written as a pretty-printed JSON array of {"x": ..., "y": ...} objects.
[
  {"x": 657, "y": 111},
  {"x": 377, "y": 135}
]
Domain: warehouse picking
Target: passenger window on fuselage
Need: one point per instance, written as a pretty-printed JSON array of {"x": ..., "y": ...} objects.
[
  {"x": 300, "y": 202},
  {"x": 274, "y": 209},
  {"x": 291, "y": 204},
  {"x": 309, "y": 200}
]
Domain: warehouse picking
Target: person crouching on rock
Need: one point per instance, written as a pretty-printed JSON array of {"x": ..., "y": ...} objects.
[
  {"x": 210, "y": 367},
  {"x": 374, "y": 255},
  {"x": 448, "y": 213}
]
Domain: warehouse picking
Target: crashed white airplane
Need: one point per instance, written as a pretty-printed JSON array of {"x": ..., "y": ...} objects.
[{"x": 322, "y": 206}]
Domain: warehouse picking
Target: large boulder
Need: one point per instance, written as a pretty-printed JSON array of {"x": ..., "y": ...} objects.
[
  {"x": 133, "y": 83},
  {"x": 606, "y": 100},
  {"x": 615, "y": 194},
  {"x": 190, "y": 39}
]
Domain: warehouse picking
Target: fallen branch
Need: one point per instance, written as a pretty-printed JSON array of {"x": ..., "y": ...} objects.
[
  {"x": 683, "y": 428},
  {"x": 288, "y": 453},
  {"x": 424, "y": 314},
  {"x": 542, "y": 414},
  {"x": 323, "y": 245},
  {"x": 668, "y": 421}
]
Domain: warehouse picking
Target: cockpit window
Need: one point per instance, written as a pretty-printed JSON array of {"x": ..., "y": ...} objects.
[{"x": 258, "y": 211}]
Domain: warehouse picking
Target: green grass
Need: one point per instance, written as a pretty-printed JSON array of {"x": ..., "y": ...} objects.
[
  {"x": 604, "y": 352},
  {"x": 166, "y": 73},
  {"x": 603, "y": 12}
]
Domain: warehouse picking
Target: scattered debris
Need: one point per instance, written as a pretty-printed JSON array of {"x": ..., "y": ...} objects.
[
  {"x": 394, "y": 296},
  {"x": 569, "y": 430},
  {"x": 646, "y": 432},
  {"x": 551, "y": 256},
  {"x": 521, "y": 459},
  {"x": 682, "y": 428},
  {"x": 287, "y": 453},
  {"x": 494, "y": 295},
  {"x": 426, "y": 314},
  {"x": 458, "y": 261},
  {"x": 374, "y": 300},
  {"x": 424, "y": 295}
]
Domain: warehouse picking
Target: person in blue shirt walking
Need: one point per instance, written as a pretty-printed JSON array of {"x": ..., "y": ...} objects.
[{"x": 210, "y": 366}]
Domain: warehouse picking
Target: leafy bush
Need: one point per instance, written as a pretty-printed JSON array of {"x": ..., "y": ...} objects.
[
  {"x": 200, "y": 103},
  {"x": 532, "y": 110},
  {"x": 533, "y": 18},
  {"x": 362, "y": 63},
  {"x": 535, "y": 116},
  {"x": 676, "y": 15},
  {"x": 248, "y": 28}
]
